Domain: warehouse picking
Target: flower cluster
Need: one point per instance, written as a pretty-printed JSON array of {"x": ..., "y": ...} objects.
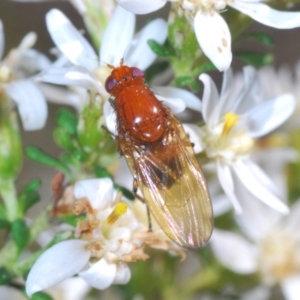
[{"x": 151, "y": 151}]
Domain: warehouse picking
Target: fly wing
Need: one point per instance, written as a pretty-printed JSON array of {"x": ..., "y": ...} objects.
[{"x": 170, "y": 178}]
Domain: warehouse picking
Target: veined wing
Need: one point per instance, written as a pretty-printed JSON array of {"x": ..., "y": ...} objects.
[{"x": 173, "y": 186}]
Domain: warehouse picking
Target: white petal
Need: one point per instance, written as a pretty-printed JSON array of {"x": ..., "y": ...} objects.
[
  {"x": 257, "y": 293},
  {"x": 234, "y": 251},
  {"x": 221, "y": 205},
  {"x": 59, "y": 262},
  {"x": 98, "y": 191},
  {"x": 176, "y": 105},
  {"x": 259, "y": 184},
  {"x": 110, "y": 118},
  {"x": 140, "y": 54},
  {"x": 82, "y": 77},
  {"x": 269, "y": 115},
  {"x": 61, "y": 96},
  {"x": 190, "y": 100},
  {"x": 210, "y": 100},
  {"x": 194, "y": 133},
  {"x": 70, "y": 41},
  {"x": 214, "y": 37},
  {"x": 70, "y": 289},
  {"x": 73, "y": 76},
  {"x": 293, "y": 221},
  {"x": 248, "y": 96},
  {"x": 123, "y": 274},
  {"x": 117, "y": 36},
  {"x": 268, "y": 16},
  {"x": 123, "y": 176},
  {"x": 28, "y": 41},
  {"x": 142, "y": 7},
  {"x": 226, "y": 181},
  {"x": 257, "y": 218},
  {"x": 1, "y": 39},
  {"x": 100, "y": 275},
  {"x": 33, "y": 61},
  {"x": 31, "y": 103},
  {"x": 291, "y": 287},
  {"x": 227, "y": 82}
]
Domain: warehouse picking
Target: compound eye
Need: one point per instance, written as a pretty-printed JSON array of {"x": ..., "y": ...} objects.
[
  {"x": 110, "y": 83},
  {"x": 135, "y": 72}
]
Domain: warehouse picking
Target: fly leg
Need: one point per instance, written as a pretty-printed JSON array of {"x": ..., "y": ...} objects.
[{"x": 135, "y": 188}]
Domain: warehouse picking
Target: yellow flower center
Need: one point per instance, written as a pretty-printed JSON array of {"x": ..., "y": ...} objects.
[
  {"x": 5, "y": 74},
  {"x": 279, "y": 257},
  {"x": 102, "y": 73},
  {"x": 119, "y": 210},
  {"x": 228, "y": 139},
  {"x": 230, "y": 119}
]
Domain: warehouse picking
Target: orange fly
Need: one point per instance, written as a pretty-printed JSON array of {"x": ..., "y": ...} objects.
[{"x": 161, "y": 159}]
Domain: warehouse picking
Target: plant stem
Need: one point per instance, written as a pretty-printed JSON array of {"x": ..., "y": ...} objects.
[{"x": 9, "y": 196}]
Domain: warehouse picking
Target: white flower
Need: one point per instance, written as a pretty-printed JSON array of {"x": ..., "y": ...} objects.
[
  {"x": 89, "y": 71},
  {"x": 15, "y": 69},
  {"x": 211, "y": 29},
  {"x": 271, "y": 248},
  {"x": 107, "y": 242},
  {"x": 283, "y": 80},
  {"x": 231, "y": 126}
]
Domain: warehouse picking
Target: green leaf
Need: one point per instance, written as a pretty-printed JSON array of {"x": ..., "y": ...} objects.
[
  {"x": 20, "y": 233},
  {"x": 28, "y": 199},
  {"x": 29, "y": 195},
  {"x": 63, "y": 139},
  {"x": 160, "y": 50},
  {"x": 127, "y": 193},
  {"x": 4, "y": 224},
  {"x": 188, "y": 81},
  {"x": 38, "y": 155},
  {"x": 209, "y": 66},
  {"x": 72, "y": 219},
  {"x": 41, "y": 296},
  {"x": 33, "y": 185},
  {"x": 67, "y": 120},
  {"x": 101, "y": 172},
  {"x": 2, "y": 211},
  {"x": 262, "y": 37},
  {"x": 256, "y": 59},
  {"x": 156, "y": 69},
  {"x": 5, "y": 276}
]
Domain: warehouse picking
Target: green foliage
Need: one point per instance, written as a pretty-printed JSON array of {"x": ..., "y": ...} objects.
[
  {"x": 101, "y": 172},
  {"x": 188, "y": 81},
  {"x": 261, "y": 37},
  {"x": 20, "y": 233},
  {"x": 127, "y": 193},
  {"x": 38, "y": 155},
  {"x": 4, "y": 224},
  {"x": 256, "y": 59},
  {"x": 156, "y": 69},
  {"x": 10, "y": 143},
  {"x": 41, "y": 296},
  {"x": 29, "y": 195},
  {"x": 161, "y": 50},
  {"x": 67, "y": 120},
  {"x": 5, "y": 276}
]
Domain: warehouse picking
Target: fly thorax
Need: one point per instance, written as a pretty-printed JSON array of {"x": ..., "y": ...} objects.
[
  {"x": 227, "y": 140},
  {"x": 279, "y": 257}
]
